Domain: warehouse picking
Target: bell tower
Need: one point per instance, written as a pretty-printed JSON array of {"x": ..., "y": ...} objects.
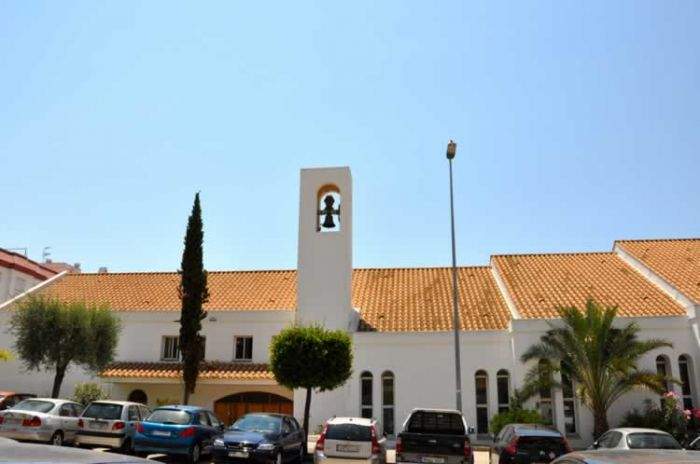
[{"x": 324, "y": 266}]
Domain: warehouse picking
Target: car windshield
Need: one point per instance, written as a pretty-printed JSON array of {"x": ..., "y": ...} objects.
[
  {"x": 436, "y": 422},
  {"x": 348, "y": 432},
  {"x": 103, "y": 411},
  {"x": 255, "y": 423},
  {"x": 650, "y": 440},
  {"x": 34, "y": 405},
  {"x": 170, "y": 416}
]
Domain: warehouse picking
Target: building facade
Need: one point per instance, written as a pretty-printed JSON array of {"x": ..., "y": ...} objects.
[
  {"x": 399, "y": 319},
  {"x": 19, "y": 273}
]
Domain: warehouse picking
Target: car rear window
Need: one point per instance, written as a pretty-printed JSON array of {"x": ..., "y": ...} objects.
[
  {"x": 170, "y": 416},
  {"x": 34, "y": 405},
  {"x": 349, "y": 432},
  {"x": 649, "y": 440},
  {"x": 436, "y": 422},
  {"x": 106, "y": 411},
  {"x": 536, "y": 444}
]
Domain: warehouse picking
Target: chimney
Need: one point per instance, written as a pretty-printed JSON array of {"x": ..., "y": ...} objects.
[{"x": 102, "y": 270}]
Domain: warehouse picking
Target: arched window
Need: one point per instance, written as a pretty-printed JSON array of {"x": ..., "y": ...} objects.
[
  {"x": 366, "y": 407},
  {"x": 328, "y": 217},
  {"x": 546, "y": 405},
  {"x": 503, "y": 386},
  {"x": 138, "y": 396},
  {"x": 567, "y": 388},
  {"x": 388, "y": 402},
  {"x": 663, "y": 368},
  {"x": 685, "y": 369},
  {"x": 481, "y": 383}
]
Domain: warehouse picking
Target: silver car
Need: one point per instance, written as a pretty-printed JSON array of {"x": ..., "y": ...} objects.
[
  {"x": 630, "y": 457},
  {"x": 110, "y": 424},
  {"x": 630, "y": 438},
  {"x": 350, "y": 440},
  {"x": 41, "y": 419}
]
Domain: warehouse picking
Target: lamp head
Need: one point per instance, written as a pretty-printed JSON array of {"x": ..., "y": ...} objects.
[{"x": 451, "y": 149}]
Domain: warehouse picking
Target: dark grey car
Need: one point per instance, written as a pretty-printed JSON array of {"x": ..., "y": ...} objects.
[{"x": 15, "y": 452}]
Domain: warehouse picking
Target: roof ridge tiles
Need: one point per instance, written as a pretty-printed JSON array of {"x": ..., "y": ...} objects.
[{"x": 556, "y": 253}]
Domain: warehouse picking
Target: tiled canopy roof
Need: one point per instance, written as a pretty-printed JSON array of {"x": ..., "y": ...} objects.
[
  {"x": 421, "y": 299},
  {"x": 676, "y": 261},
  {"x": 540, "y": 283},
  {"x": 21, "y": 263},
  {"x": 209, "y": 371}
]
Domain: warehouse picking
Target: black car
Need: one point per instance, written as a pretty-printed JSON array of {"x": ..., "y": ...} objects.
[
  {"x": 261, "y": 438},
  {"x": 527, "y": 444}
]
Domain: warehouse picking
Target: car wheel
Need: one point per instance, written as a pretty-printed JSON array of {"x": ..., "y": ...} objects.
[
  {"x": 127, "y": 447},
  {"x": 57, "y": 439},
  {"x": 302, "y": 454},
  {"x": 195, "y": 453}
]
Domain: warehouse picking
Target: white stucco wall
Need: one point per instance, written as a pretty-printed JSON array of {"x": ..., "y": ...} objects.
[
  {"x": 141, "y": 339},
  {"x": 14, "y": 282}
]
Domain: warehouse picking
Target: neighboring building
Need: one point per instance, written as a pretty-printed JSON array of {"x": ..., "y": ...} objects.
[
  {"x": 400, "y": 321},
  {"x": 19, "y": 273},
  {"x": 62, "y": 267}
]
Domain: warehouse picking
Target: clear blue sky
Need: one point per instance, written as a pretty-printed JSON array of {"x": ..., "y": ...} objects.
[{"x": 578, "y": 123}]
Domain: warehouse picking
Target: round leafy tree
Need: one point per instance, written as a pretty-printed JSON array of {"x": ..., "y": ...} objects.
[{"x": 311, "y": 358}]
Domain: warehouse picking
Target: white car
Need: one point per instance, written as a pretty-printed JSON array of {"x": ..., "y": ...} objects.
[
  {"x": 110, "y": 423},
  {"x": 41, "y": 419},
  {"x": 635, "y": 438},
  {"x": 348, "y": 440}
]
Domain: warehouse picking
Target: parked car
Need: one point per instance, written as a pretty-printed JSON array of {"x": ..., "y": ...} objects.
[
  {"x": 111, "y": 424},
  {"x": 9, "y": 399},
  {"x": 178, "y": 430},
  {"x": 527, "y": 443},
  {"x": 630, "y": 457},
  {"x": 434, "y": 436},
  {"x": 41, "y": 419},
  {"x": 350, "y": 440},
  {"x": 14, "y": 452},
  {"x": 261, "y": 438},
  {"x": 636, "y": 438}
]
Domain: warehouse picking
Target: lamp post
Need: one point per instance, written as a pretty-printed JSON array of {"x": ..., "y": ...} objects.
[{"x": 451, "y": 152}]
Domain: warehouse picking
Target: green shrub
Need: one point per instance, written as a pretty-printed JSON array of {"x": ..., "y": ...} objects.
[
  {"x": 667, "y": 415},
  {"x": 515, "y": 416},
  {"x": 86, "y": 393}
]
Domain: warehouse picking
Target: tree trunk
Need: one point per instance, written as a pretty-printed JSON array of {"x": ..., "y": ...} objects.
[
  {"x": 58, "y": 380},
  {"x": 186, "y": 396},
  {"x": 307, "y": 408},
  {"x": 600, "y": 424}
]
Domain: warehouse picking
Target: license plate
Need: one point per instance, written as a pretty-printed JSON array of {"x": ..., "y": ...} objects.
[
  {"x": 161, "y": 433},
  {"x": 98, "y": 425},
  {"x": 432, "y": 460},
  {"x": 347, "y": 448},
  {"x": 238, "y": 454}
]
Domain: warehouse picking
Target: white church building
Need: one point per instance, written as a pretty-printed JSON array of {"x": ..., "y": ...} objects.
[{"x": 399, "y": 319}]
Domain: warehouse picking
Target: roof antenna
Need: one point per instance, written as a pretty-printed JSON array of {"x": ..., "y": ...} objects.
[{"x": 45, "y": 253}]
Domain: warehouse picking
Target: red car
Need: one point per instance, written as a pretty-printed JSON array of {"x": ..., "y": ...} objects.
[{"x": 9, "y": 399}]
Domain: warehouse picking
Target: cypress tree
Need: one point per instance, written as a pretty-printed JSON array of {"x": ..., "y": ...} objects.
[{"x": 193, "y": 294}]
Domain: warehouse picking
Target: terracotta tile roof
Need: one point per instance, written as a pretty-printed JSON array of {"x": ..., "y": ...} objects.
[
  {"x": 540, "y": 283},
  {"x": 154, "y": 291},
  {"x": 417, "y": 299},
  {"x": 210, "y": 370},
  {"x": 12, "y": 260},
  {"x": 676, "y": 260},
  {"x": 420, "y": 299}
]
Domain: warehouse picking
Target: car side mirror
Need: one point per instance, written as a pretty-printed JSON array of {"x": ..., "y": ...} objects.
[
  {"x": 470, "y": 430},
  {"x": 222, "y": 427},
  {"x": 595, "y": 445}
]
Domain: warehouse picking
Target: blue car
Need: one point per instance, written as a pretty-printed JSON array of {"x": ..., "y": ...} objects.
[{"x": 178, "y": 430}]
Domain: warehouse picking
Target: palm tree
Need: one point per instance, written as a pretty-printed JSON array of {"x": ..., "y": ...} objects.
[{"x": 600, "y": 359}]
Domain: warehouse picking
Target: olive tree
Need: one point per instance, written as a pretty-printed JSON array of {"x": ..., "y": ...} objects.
[
  {"x": 52, "y": 335},
  {"x": 311, "y": 358}
]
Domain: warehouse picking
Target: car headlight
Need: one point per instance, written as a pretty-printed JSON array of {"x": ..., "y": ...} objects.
[
  {"x": 219, "y": 442},
  {"x": 266, "y": 446}
]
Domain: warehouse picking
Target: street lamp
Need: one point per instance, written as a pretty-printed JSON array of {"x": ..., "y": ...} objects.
[{"x": 451, "y": 152}]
